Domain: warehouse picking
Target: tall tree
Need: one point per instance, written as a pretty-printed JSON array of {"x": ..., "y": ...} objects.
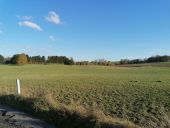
[{"x": 1, "y": 59}]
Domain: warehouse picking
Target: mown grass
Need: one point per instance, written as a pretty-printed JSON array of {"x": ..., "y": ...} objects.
[{"x": 94, "y": 95}]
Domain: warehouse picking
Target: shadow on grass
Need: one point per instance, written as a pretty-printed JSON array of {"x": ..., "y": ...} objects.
[{"x": 61, "y": 118}]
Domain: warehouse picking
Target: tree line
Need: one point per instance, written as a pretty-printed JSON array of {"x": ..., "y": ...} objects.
[
  {"x": 95, "y": 62},
  {"x": 26, "y": 59},
  {"x": 152, "y": 59},
  {"x": 21, "y": 59}
]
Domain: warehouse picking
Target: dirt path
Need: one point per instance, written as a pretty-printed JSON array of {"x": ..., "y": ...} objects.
[
  {"x": 11, "y": 118},
  {"x": 4, "y": 124}
]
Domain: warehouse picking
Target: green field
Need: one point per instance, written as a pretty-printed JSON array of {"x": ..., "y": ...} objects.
[{"x": 138, "y": 94}]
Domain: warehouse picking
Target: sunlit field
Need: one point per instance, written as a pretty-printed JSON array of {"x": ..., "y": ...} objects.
[{"x": 140, "y": 95}]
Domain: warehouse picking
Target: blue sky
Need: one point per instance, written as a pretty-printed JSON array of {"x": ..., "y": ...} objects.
[{"x": 85, "y": 29}]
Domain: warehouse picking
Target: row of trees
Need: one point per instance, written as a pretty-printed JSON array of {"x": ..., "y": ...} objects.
[
  {"x": 152, "y": 59},
  {"x": 95, "y": 62},
  {"x": 21, "y": 59},
  {"x": 60, "y": 60},
  {"x": 36, "y": 59},
  {"x": 24, "y": 59}
]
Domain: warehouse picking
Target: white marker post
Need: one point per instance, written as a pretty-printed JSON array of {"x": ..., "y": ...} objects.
[{"x": 18, "y": 87}]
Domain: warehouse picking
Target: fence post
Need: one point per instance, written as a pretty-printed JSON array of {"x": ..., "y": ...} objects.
[{"x": 18, "y": 87}]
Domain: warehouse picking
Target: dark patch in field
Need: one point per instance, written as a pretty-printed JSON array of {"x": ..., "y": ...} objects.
[
  {"x": 158, "y": 81},
  {"x": 134, "y": 81}
]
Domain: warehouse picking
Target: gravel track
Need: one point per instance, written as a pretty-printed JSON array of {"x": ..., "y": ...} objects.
[{"x": 11, "y": 118}]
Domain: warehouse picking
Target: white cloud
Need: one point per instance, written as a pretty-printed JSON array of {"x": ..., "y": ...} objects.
[
  {"x": 30, "y": 25},
  {"x": 24, "y": 17},
  {"x": 52, "y": 38},
  {"x": 53, "y": 18}
]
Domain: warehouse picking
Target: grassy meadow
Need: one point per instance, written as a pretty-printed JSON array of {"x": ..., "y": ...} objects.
[{"x": 107, "y": 96}]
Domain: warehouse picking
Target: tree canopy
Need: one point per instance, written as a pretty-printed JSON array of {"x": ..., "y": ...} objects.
[
  {"x": 1, "y": 59},
  {"x": 19, "y": 59}
]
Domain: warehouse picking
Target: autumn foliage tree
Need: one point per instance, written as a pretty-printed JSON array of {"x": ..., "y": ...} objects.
[{"x": 19, "y": 59}]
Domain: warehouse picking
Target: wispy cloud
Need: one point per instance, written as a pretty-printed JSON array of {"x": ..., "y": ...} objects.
[
  {"x": 30, "y": 25},
  {"x": 53, "y": 18},
  {"x": 24, "y": 17},
  {"x": 52, "y": 38}
]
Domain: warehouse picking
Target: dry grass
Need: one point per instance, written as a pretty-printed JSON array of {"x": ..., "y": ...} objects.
[{"x": 65, "y": 116}]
